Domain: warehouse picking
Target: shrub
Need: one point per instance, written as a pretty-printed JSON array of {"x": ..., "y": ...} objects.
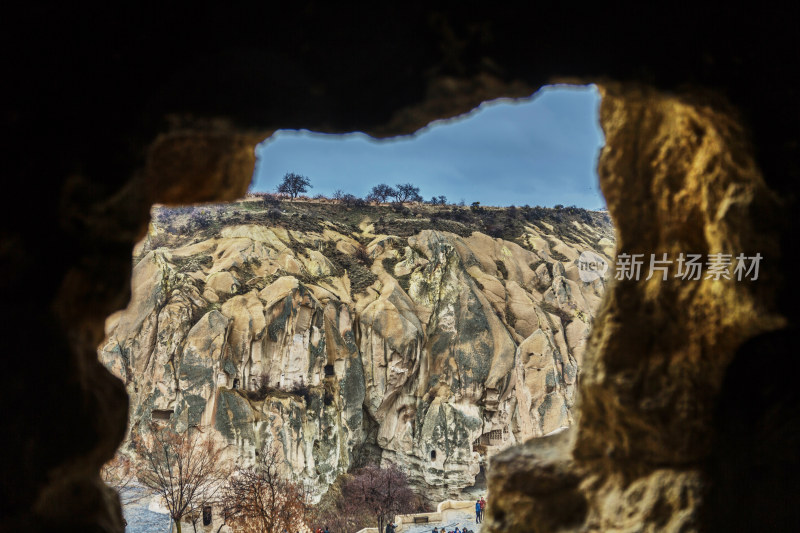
[
  {"x": 201, "y": 219},
  {"x": 270, "y": 200},
  {"x": 501, "y": 267},
  {"x": 303, "y": 391},
  {"x": 351, "y": 200},
  {"x": 398, "y": 207},
  {"x": 362, "y": 256},
  {"x": 262, "y": 389},
  {"x": 389, "y": 264},
  {"x": 495, "y": 230}
]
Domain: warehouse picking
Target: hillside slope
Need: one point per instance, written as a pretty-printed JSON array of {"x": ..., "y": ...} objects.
[{"x": 345, "y": 335}]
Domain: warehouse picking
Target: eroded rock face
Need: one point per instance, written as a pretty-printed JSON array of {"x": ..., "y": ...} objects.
[
  {"x": 453, "y": 348},
  {"x": 636, "y": 459}
]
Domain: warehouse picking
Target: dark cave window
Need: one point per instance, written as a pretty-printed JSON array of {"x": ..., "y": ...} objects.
[
  {"x": 433, "y": 455},
  {"x": 161, "y": 415}
]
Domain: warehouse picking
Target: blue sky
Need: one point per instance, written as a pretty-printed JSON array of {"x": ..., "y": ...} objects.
[{"x": 537, "y": 151}]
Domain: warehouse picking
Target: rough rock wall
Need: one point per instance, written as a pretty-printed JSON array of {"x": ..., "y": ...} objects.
[
  {"x": 636, "y": 459},
  {"x": 461, "y": 346},
  {"x": 92, "y": 90}
]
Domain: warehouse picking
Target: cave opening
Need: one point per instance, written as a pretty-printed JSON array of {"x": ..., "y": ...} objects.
[
  {"x": 548, "y": 226},
  {"x": 161, "y": 415},
  {"x": 693, "y": 101},
  {"x": 563, "y": 265},
  {"x": 550, "y": 418}
]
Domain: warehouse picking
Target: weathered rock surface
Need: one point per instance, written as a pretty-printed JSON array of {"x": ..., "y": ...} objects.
[
  {"x": 636, "y": 460},
  {"x": 458, "y": 346}
]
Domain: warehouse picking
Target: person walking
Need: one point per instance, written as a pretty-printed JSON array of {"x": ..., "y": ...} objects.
[
  {"x": 477, "y": 511},
  {"x": 483, "y": 507}
]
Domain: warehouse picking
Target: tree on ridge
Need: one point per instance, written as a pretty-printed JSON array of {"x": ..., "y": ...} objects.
[
  {"x": 406, "y": 192},
  {"x": 381, "y": 192},
  {"x": 294, "y": 184}
]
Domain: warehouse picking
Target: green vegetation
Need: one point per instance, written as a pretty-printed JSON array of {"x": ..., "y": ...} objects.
[
  {"x": 389, "y": 264},
  {"x": 179, "y": 226},
  {"x": 501, "y": 268},
  {"x": 357, "y": 266}
]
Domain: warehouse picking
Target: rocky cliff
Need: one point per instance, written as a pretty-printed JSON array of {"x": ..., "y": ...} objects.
[{"x": 345, "y": 335}]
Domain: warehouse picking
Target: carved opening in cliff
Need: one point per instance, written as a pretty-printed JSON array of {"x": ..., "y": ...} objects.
[
  {"x": 161, "y": 415},
  {"x": 480, "y": 482},
  {"x": 338, "y": 300}
]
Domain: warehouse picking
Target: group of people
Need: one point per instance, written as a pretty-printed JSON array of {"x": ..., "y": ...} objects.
[
  {"x": 480, "y": 507},
  {"x": 456, "y": 530}
]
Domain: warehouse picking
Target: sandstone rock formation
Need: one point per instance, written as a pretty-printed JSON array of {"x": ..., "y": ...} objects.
[{"x": 432, "y": 352}]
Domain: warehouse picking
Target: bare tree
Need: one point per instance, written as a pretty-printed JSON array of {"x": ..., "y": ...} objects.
[
  {"x": 380, "y": 193},
  {"x": 259, "y": 499},
  {"x": 406, "y": 192},
  {"x": 185, "y": 469},
  {"x": 341, "y": 514},
  {"x": 120, "y": 475},
  {"x": 293, "y": 184},
  {"x": 384, "y": 492}
]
